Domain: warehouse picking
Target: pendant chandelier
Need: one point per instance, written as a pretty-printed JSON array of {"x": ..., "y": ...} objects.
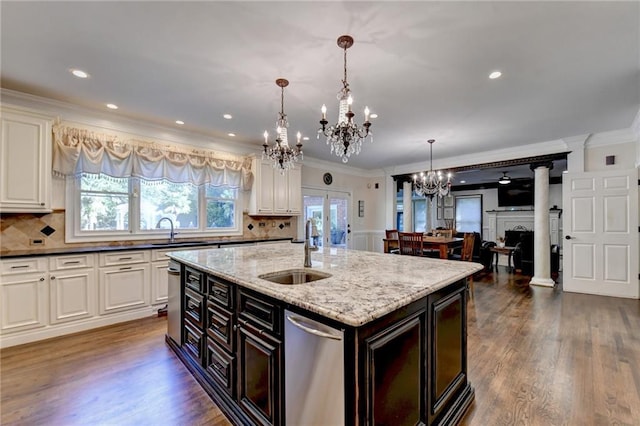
[
  {"x": 282, "y": 155},
  {"x": 345, "y": 137},
  {"x": 432, "y": 182}
]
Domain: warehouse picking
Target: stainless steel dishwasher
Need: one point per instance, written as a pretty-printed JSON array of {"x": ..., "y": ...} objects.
[
  {"x": 314, "y": 372},
  {"x": 174, "y": 322}
]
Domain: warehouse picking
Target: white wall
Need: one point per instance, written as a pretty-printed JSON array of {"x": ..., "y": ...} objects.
[{"x": 367, "y": 231}]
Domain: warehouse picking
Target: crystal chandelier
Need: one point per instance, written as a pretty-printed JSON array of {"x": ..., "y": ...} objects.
[
  {"x": 345, "y": 137},
  {"x": 282, "y": 155},
  {"x": 431, "y": 183}
]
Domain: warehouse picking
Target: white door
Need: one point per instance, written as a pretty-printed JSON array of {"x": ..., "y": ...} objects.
[
  {"x": 600, "y": 252},
  {"x": 331, "y": 212}
]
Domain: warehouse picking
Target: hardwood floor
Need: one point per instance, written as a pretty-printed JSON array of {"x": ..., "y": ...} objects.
[{"x": 537, "y": 356}]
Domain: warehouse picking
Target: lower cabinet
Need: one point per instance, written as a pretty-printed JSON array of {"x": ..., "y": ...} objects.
[
  {"x": 23, "y": 302},
  {"x": 72, "y": 283},
  {"x": 408, "y": 367},
  {"x": 159, "y": 282},
  {"x": 260, "y": 375}
]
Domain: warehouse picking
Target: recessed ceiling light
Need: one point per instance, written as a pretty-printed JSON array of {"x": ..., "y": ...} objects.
[
  {"x": 79, "y": 73},
  {"x": 374, "y": 116},
  {"x": 180, "y": 122},
  {"x": 228, "y": 116},
  {"x": 305, "y": 138},
  {"x": 463, "y": 181},
  {"x": 112, "y": 106},
  {"x": 565, "y": 171},
  {"x": 231, "y": 134},
  {"x": 495, "y": 75}
]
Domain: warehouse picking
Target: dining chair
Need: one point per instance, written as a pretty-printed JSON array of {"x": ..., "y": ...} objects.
[
  {"x": 411, "y": 243},
  {"x": 392, "y": 234},
  {"x": 467, "y": 256}
]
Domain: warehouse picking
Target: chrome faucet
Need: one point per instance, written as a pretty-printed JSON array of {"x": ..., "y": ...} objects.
[
  {"x": 172, "y": 234},
  {"x": 307, "y": 244}
]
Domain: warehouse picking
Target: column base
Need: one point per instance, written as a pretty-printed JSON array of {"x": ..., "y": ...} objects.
[{"x": 542, "y": 282}]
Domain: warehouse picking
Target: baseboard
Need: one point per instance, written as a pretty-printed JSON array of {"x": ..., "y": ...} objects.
[{"x": 49, "y": 331}]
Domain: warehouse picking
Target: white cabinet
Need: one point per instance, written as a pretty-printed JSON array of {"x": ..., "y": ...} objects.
[
  {"x": 275, "y": 193},
  {"x": 72, "y": 282},
  {"x": 123, "y": 281},
  {"x": 23, "y": 294},
  {"x": 25, "y": 161}
]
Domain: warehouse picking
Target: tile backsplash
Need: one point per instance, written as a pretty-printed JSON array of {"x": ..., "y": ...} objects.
[{"x": 38, "y": 232}]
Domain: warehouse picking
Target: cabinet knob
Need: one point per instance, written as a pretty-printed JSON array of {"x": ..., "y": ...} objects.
[
  {"x": 53, "y": 278},
  {"x": 42, "y": 204},
  {"x": 567, "y": 237},
  {"x": 41, "y": 278}
]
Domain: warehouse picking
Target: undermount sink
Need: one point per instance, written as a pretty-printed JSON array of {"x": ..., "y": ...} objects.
[{"x": 294, "y": 276}]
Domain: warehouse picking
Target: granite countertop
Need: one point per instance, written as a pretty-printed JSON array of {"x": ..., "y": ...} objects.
[
  {"x": 129, "y": 245},
  {"x": 364, "y": 285}
]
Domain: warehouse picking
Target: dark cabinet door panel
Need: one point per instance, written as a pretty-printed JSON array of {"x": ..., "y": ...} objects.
[
  {"x": 396, "y": 374},
  {"x": 194, "y": 307},
  {"x": 448, "y": 351},
  {"x": 259, "y": 376}
]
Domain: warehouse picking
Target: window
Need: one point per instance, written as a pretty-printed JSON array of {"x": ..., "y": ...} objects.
[
  {"x": 106, "y": 208},
  {"x": 469, "y": 213},
  {"x": 420, "y": 215}
]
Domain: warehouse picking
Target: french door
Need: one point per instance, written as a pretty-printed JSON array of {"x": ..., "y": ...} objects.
[{"x": 330, "y": 212}]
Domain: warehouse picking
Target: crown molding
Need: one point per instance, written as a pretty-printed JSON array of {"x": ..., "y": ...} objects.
[
  {"x": 512, "y": 153},
  {"x": 635, "y": 126},
  {"x": 613, "y": 137},
  {"x": 68, "y": 112}
]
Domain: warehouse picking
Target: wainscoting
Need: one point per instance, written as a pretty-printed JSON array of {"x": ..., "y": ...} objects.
[{"x": 368, "y": 241}]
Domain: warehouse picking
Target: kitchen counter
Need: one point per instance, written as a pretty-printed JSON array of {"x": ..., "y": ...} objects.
[
  {"x": 364, "y": 286},
  {"x": 383, "y": 340},
  {"x": 132, "y": 245}
]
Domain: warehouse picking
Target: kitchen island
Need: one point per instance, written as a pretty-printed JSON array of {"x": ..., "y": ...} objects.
[{"x": 402, "y": 320}]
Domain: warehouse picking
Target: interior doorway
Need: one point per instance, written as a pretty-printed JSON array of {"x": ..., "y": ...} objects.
[{"x": 330, "y": 212}]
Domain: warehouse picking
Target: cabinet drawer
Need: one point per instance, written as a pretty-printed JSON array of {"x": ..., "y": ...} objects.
[
  {"x": 193, "y": 306},
  {"x": 60, "y": 263},
  {"x": 219, "y": 366},
  {"x": 220, "y": 291},
  {"x": 124, "y": 258},
  {"x": 220, "y": 325},
  {"x": 260, "y": 312},
  {"x": 194, "y": 279},
  {"x": 193, "y": 341},
  {"x": 24, "y": 265}
]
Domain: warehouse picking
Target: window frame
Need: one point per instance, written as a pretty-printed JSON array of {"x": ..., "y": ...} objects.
[{"x": 74, "y": 233}]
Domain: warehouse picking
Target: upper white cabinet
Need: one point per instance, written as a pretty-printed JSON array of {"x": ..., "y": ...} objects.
[
  {"x": 274, "y": 193},
  {"x": 25, "y": 161}
]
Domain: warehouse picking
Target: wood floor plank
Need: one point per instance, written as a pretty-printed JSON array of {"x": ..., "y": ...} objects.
[{"x": 537, "y": 356}]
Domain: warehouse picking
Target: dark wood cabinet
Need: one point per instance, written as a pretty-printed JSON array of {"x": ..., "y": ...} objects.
[
  {"x": 260, "y": 375},
  {"x": 395, "y": 373},
  {"x": 408, "y": 367}
]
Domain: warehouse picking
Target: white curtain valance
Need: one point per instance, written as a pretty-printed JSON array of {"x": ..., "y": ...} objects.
[{"x": 77, "y": 151}]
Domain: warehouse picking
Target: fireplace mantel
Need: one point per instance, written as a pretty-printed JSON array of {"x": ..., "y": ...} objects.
[{"x": 502, "y": 220}]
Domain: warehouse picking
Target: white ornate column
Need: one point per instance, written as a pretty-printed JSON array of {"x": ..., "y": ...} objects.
[
  {"x": 407, "y": 210},
  {"x": 541, "y": 239}
]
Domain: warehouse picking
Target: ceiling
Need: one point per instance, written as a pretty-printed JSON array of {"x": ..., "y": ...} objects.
[{"x": 569, "y": 68}]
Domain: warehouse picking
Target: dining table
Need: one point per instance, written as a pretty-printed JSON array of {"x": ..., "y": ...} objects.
[{"x": 442, "y": 244}]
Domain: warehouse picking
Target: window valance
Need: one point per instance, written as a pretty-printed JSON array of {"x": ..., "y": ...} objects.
[{"x": 77, "y": 151}]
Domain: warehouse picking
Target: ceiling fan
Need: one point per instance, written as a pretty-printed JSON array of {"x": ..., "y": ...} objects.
[{"x": 505, "y": 179}]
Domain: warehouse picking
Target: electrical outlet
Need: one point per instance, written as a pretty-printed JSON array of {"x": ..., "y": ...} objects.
[
  {"x": 287, "y": 224},
  {"x": 36, "y": 242},
  {"x": 261, "y": 224},
  {"x": 273, "y": 224}
]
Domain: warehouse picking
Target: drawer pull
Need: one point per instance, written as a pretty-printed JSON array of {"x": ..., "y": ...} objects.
[
  {"x": 72, "y": 262},
  {"x": 126, "y": 258},
  {"x": 19, "y": 266},
  {"x": 125, "y": 268}
]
